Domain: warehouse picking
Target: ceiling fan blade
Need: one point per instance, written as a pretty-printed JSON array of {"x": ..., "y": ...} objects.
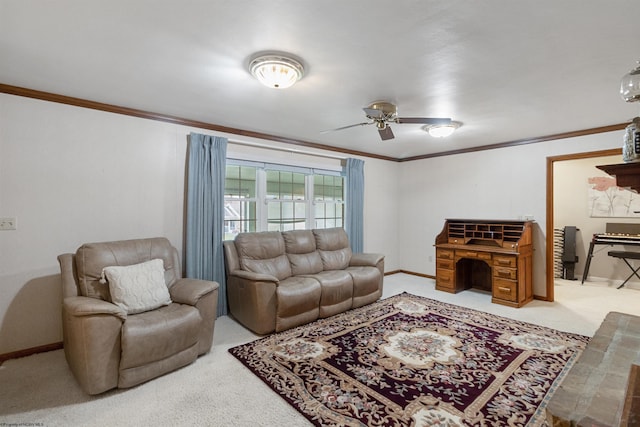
[
  {"x": 386, "y": 133},
  {"x": 373, "y": 113},
  {"x": 424, "y": 120},
  {"x": 347, "y": 127}
]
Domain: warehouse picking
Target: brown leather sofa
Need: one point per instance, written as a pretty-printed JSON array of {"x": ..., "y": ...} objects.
[
  {"x": 106, "y": 346},
  {"x": 278, "y": 280}
]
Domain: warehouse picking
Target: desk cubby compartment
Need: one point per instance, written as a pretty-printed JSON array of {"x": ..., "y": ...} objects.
[
  {"x": 512, "y": 234},
  {"x": 456, "y": 233}
]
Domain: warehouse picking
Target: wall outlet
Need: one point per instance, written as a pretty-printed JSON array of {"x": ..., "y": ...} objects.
[{"x": 8, "y": 224}]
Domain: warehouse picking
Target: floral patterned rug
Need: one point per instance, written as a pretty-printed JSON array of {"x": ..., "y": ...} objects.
[{"x": 409, "y": 360}]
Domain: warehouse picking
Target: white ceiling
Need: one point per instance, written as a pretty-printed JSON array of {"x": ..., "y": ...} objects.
[{"x": 507, "y": 69}]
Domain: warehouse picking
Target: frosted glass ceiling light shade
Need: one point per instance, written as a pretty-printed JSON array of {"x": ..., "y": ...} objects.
[
  {"x": 276, "y": 71},
  {"x": 630, "y": 85},
  {"x": 442, "y": 131}
]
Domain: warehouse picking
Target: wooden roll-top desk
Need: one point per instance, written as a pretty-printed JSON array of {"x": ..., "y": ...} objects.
[{"x": 491, "y": 255}]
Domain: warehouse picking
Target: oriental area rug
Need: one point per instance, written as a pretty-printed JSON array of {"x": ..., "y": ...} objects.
[{"x": 412, "y": 361}]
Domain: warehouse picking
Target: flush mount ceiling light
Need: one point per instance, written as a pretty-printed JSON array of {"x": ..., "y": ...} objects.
[
  {"x": 442, "y": 131},
  {"x": 630, "y": 85},
  {"x": 276, "y": 71}
]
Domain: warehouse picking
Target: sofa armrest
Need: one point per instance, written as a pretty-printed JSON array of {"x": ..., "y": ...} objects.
[
  {"x": 85, "y": 306},
  {"x": 254, "y": 277},
  {"x": 365, "y": 260},
  {"x": 91, "y": 334},
  {"x": 203, "y": 295},
  {"x": 253, "y": 300},
  {"x": 189, "y": 291}
]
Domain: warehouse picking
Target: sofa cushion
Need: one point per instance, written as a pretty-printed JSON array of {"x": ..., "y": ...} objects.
[
  {"x": 299, "y": 241},
  {"x": 333, "y": 246},
  {"x": 367, "y": 284},
  {"x": 263, "y": 252},
  {"x": 310, "y": 263},
  {"x": 155, "y": 335},
  {"x": 298, "y": 302},
  {"x": 337, "y": 291},
  {"x": 300, "y": 246},
  {"x": 139, "y": 287}
]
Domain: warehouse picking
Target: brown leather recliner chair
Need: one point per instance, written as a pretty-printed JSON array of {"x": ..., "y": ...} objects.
[{"x": 105, "y": 345}]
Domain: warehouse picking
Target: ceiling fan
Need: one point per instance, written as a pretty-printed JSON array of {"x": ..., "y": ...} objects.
[{"x": 383, "y": 113}]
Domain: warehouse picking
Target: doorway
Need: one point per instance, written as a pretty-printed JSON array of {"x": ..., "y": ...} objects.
[{"x": 550, "y": 279}]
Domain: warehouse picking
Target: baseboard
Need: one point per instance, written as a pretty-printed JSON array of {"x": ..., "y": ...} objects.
[
  {"x": 29, "y": 351},
  {"x": 427, "y": 276}
]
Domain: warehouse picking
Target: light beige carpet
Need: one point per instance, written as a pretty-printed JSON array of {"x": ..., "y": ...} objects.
[{"x": 218, "y": 391}]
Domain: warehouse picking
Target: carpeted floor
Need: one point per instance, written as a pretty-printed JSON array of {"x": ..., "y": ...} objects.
[
  {"x": 217, "y": 390},
  {"x": 410, "y": 360}
]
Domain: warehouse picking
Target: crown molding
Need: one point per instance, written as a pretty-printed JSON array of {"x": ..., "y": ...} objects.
[{"x": 84, "y": 103}]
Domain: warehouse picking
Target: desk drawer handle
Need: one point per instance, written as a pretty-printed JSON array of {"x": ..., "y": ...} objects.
[
  {"x": 503, "y": 289},
  {"x": 503, "y": 261}
]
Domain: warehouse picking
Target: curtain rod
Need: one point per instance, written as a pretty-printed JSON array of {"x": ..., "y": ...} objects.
[{"x": 286, "y": 150}]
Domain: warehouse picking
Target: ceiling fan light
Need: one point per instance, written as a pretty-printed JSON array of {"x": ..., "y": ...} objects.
[
  {"x": 630, "y": 85},
  {"x": 276, "y": 71},
  {"x": 442, "y": 131}
]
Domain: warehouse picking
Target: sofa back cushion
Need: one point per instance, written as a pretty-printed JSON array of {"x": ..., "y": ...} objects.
[
  {"x": 333, "y": 246},
  {"x": 91, "y": 258},
  {"x": 300, "y": 246},
  {"x": 263, "y": 252}
]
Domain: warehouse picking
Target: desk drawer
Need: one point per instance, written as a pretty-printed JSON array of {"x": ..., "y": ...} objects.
[
  {"x": 505, "y": 273},
  {"x": 445, "y": 278},
  {"x": 473, "y": 254},
  {"x": 504, "y": 261},
  {"x": 444, "y": 263},
  {"x": 444, "y": 253},
  {"x": 505, "y": 289}
]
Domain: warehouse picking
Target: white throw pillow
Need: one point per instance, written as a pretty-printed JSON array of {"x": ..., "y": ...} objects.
[{"x": 139, "y": 287}]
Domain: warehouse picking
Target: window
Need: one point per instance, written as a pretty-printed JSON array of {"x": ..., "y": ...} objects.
[
  {"x": 240, "y": 200},
  {"x": 280, "y": 198},
  {"x": 328, "y": 198}
]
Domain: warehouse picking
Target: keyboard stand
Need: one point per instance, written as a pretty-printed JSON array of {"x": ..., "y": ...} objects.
[
  {"x": 625, "y": 255},
  {"x": 588, "y": 261}
]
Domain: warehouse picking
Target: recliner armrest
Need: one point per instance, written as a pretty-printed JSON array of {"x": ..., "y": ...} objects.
[
  {"x": 256, "y": 277},
  {"x": 365, "y": 260},
  {"x": 86, "y": 306},
  {"x": 189, "y": 291}
]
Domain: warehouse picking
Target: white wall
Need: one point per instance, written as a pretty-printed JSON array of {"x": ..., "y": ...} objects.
[
  {"x": 505, "y": 183},
  {"x": 72, "y": 175}
]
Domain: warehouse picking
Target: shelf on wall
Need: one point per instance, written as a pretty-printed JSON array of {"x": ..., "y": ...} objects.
[{"x": 627, "y": 174}]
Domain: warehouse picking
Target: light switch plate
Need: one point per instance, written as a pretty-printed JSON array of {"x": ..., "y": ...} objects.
[{"x": 8, "y": 224}]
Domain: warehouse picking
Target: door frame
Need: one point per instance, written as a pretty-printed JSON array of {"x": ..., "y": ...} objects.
[{"x": 550, "y": 198}]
